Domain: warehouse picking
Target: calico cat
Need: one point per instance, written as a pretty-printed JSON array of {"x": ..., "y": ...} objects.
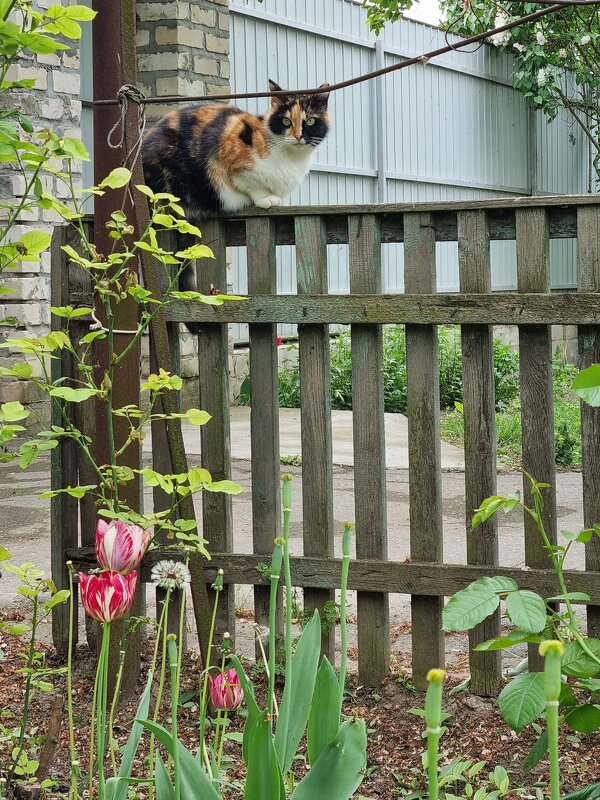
[{"x": 218, "y": 158}]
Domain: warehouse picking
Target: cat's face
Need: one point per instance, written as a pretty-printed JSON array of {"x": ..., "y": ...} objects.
[{"x": 298, "y": 122}]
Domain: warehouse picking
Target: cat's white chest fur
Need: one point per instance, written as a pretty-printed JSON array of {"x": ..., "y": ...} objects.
[{"x": 269, "y": 180}]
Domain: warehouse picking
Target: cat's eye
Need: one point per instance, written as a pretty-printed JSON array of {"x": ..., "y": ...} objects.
[
  {"x": 311, "y": 121},
  {"x": 286, "y": 121}
]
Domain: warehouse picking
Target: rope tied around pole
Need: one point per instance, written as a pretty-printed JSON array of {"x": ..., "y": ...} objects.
[{"x": 126, "y": 93}]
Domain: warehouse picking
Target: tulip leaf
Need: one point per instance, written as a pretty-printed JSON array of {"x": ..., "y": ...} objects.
[
  {"x": 264, "y": 778},
  {"x": 324, "y": 718},
  {"x": 251, "y": 706},
  {"x": 341, "y": 767},
  {"x": 194, "y": 780},
  {"x": 164, "y": 787},
  {"x": 591, "y": 792},
  {"x": 297, "y": 694},
  {"x": 116, "y": 788}
]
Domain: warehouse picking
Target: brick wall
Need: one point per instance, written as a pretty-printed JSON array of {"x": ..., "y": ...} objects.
[{"x": 183, "y": 49}]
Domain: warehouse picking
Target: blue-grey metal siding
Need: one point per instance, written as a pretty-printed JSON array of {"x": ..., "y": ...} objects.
[{"x": 451, "y": 129}]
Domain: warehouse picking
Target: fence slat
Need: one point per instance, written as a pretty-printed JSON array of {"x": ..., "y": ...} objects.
[
  {"x": 315, "y": 409},
  {"x": 479, "y": 434},
  {"x": 588, "y": 280},
  {"x": 537, "y": 402},
  {"x": 213, "y": 378},
  {"x": 424, "y": 447},
  {"x": 364, "y": 236},
  {"x": 264, "y": 415},
  {"x": 64, "y": 510}
]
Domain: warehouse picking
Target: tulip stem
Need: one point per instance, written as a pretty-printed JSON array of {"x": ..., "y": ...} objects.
[
  {"x": 115, "y": 700},
  {"x": 173, "y": 665},
  {"x": 102, "y": 700},
  {"x": 162, "y": 630},
  {"x": 346, "y": 539},
  {"x": 205, "y": 673},
  {"x": 286, "y": 503},
  {"x": 73, "y": 786},
  {"x": 275, "y": 573}
]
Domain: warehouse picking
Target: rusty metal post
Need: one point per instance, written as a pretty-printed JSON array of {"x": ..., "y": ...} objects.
[{"x": 113, "y": 32}]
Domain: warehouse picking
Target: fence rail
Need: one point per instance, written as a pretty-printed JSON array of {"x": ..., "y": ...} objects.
[{"x": 532, "y": 222}]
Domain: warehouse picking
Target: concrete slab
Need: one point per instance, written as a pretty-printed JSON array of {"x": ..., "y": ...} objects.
[{"x": 396, "y": 439}]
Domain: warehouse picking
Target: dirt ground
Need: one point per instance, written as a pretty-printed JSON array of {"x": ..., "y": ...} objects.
[{"x": 475, "y": 729}]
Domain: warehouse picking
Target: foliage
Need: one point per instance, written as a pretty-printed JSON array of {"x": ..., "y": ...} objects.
[
  {"x": 506, "y": 372},
  {"x": 534, "y": 619}
]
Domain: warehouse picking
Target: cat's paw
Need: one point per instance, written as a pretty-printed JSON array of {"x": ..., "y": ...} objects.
[{"x": 270, "y": 201}]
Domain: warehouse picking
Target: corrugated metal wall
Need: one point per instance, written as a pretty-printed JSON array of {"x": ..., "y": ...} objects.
[{"x": 452, "y": 129}]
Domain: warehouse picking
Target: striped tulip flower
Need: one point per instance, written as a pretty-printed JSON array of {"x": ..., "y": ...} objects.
[
  {"x": 120, "y": 547},
  {"x": 225, "y": 690},
  {"x": 108, "y": 595}
]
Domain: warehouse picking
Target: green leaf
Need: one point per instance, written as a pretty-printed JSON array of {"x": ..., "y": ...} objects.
[
  {"x": 194, "y": 780},
  {"x": 75, "y": 148},
  {"x": 116, "y": 788},
  {"x": 587, "y": 385},
  {"x": 341, "y": 767},
  {"x": 577, "y": 663},
  {"x": 227, "y": 487},
  {"x": 537, "y": 752},
  {"x": 4, "y": 554},
  {"x": 197, "y": 417},
  {"x": 576, "y": 597},
  {"x": 502, "y": 642},
  {"x": 57, "y": 598},
  {"x": 68, "y": 27},
  {"x": 527, "y": 610},
  {"x": 13, "y": 411},
  {"x": 72, "y": 395},
  {"x": 263, "y": 779},
  {"x": 297, "y": 694},
  {"x": 584, "y": 718},
  {"x": 196, "y": 251},
  {"x": 522, "y": 701},
  {"x": 81, "y": 13},
  {"x": 164, "y": 787},
  {"x": 251, "y": 706},
  {"x": 68, "y": 312},
  {"x": 591, "y": 792},
  {"x": 470, "y": 606},
  {"x": 324, "y": 717},
  {"x": 35, "y": 242},
  {"x": 116, "y": 179}
]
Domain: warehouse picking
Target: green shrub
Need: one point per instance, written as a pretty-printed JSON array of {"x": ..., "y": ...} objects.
[{"x": 506, "y": 372}]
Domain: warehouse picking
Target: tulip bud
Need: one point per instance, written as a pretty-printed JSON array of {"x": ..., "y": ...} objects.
[{"x": 225, "y": 690}]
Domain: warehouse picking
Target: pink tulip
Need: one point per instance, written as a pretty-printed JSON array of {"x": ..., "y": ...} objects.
[
  {"x": 108, "y": 595},
  {"x": 120, "y": 547},
  {"x": 225, "y": 690}
]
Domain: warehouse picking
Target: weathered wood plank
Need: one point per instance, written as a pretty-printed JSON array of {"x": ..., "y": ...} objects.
[
  {"x": 588, "y": 280},
  {"x": 425, "y": 579},
  {"x": 506, "y": 308},
  {"x": 537, "y": 402},
  {"x": 424, "y": 449},
  {"x": 479, "y": 435},
  {"x": 315, "y": 410},
  {"x": 364, "y": 236},
  {"x": 561, "y": 218},
  {"x": 215, "y": 437},
  {"x": 64, "y": 510},
  {"x": 264, "y": 416}
]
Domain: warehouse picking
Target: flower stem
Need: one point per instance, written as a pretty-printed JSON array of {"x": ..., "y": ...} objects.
[
  {"x": 113, "y": 708},
  {"x": 433, "y": 720},
  {"x": 28, "y": 685},
  {"x": 275, "y": 573},
  {"x": 161, "y": 680},
  {"x": 203, "y": 700},
  {"x": 552, "y": 652},
  {"x": 286, "y": 503},
  {"x": 101, "y": 702},
  {"x": 73, "y": 793},
  {"x": 173, "y": 664},
  {"x": 346, "y": 539}
]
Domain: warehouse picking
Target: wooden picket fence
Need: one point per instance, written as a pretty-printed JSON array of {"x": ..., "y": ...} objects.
[{"x": 532, "y": 222}]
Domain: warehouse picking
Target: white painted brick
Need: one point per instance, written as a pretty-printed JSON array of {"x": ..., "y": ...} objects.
[
  {"x": 191, "y": 87},
  {"x": 71, "y": 59},
  {"x": 169, "y": 85},
  {"x": 49, "y": 215},
  {"x": 157, "y": 11},
  {"x": 66, "y": 82},
  {"x": 27, "y": 289},
  {"x": 53, "y": 108},
  {"x": 204, "y": 16},
  {"x": 188, "y": 37},
  {"x": 18, "y": 72},
  {"x": 213, "y": 88},
  {"x": 75, "y": 108},
  {"x": 206, "y": 66},
  {"x": 223, "y": 21},
  {"x": 157, "y": 62},
  {"x": 27, "y": 313},
  {"x": 142, "y": 38},
  {"x": 51, "y": 59},
  {"x": 18, "y": 185},
  {"x": 72, "y": 133},
  {"x": 217, "y": 44},
  {"x": 225, "y": 69}
]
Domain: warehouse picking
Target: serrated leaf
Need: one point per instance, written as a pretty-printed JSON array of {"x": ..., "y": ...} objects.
[
  {"x": 523, "y": 700},
  {"x": 227, "y": 487},
  {"x": 35, "y": 242},
  {"x": 527, "y": 610},
  {"x": 469, "y": 607},
  {"x": 576, "y": 597},
  {"x": 586, "y": 385}
]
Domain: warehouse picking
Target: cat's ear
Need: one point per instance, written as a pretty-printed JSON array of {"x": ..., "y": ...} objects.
[
  {"x": 319, "y": 101},
  {"x": 275, "y": 87}
]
